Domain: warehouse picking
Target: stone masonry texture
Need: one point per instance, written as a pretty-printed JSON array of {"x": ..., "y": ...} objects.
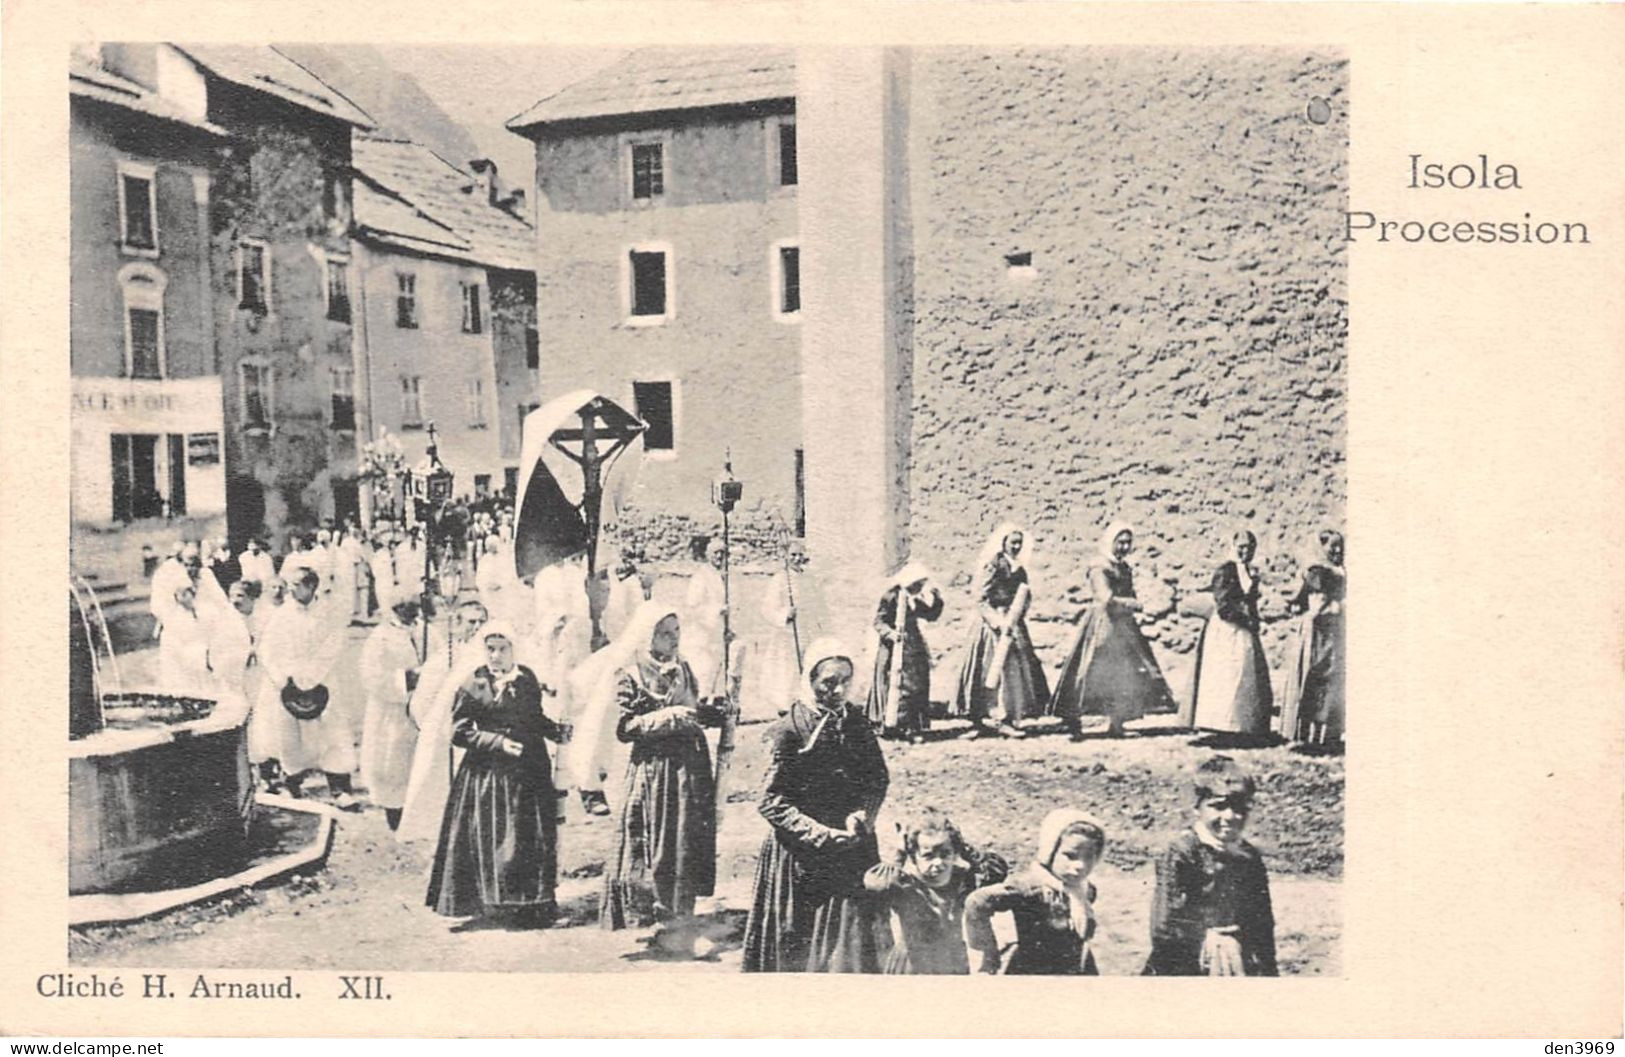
[{"x": 1177, "y": 358}]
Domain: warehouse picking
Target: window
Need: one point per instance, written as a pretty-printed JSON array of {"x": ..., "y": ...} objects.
[
  {"x": 142, "y": 285},
  {"x": 510, "y": 482},
  {"x": 338, "y": 291},
  {"x": 406, "y": 300},
  {"x": 343, "y": 383},
  {"x": 649, "y": 284},
  {"x": 648, "y": 170},
  {"x": 474, "y": 402},
  {"x": 654, "y": 404},
  {"x": 482, "y": 485},
  {"x": 533, "y": 349},
  {"x": 253, "y": 277},
  {"x": 145, "y": 359},
  {"x": 471, "y": 308},
  {"x": 411, "y": 401},
  {"x": 138, "y": 207},
  {"x": 801, "y": 493},
  {"x": 257, "y": 383},
  {"x": 784, "y": 266},
  {"x": 1019, "y": 265},
  {"x": 335, "y": 198},
  {"x": 177, "y": 475},
  {"x": 787, "y": 154}
]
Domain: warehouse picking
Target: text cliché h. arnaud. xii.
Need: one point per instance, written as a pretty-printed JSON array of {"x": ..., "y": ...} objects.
[{"x": 1479, "y": 175}]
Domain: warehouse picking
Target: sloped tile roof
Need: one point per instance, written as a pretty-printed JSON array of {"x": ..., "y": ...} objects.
[
  {"x": 89, "y": 81},
  {"x": 656, "y": 79},
  {"x": 411, "y": 197},
  {"x": 266, "y": 69}
]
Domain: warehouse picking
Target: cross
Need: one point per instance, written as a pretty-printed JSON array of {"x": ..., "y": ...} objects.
[{"x": 432, "y": 432}]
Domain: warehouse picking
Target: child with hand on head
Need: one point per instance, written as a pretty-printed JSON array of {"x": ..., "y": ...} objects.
[
  {"x": 1211, "y": 914},
  {"x": 925, "y": 885},
  {"x": 1051, "y": 900}
]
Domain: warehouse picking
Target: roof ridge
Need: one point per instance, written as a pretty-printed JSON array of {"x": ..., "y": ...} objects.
[{"x": 322, "y": 81}]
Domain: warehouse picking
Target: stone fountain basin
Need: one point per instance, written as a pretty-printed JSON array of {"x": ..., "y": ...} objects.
[{"x": 160, "y": 798}]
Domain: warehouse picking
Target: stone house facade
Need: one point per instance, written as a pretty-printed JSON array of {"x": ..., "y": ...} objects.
[
  {"x": 444, "y": 308},
  {"x": 668, "y": 275}
]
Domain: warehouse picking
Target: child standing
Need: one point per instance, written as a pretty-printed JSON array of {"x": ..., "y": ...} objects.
[
  {"x": 926, "y": 885},
  {"x": 1211, "y": 913},
  {"x": 1051, "y": 900}
]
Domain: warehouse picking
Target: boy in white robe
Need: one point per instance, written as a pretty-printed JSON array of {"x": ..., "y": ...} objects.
[
  {"x": 389, "y": 673},
  {"x": 255, "y": 564},
  {"x": 299, "y": 654}
]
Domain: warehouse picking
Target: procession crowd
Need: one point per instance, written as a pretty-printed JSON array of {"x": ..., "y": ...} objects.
[{"x": 478, "y": 728}]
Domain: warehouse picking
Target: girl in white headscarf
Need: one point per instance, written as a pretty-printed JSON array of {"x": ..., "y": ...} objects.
[
  {"x": 1021, "y": 688},
  {"x": 1052, "y": 902},
  {"x": 1230, "y": 690},
  {"x": 1312, "y": 705},
  {"x": 912, "y": 714},
  {"x": 1110, "y": 670},
  {"x": 825, "y": 782},
  {"x": 666, "y": 856}
]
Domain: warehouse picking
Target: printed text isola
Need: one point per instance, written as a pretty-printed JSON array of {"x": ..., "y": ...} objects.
[{"x": 1479, "y": 174}]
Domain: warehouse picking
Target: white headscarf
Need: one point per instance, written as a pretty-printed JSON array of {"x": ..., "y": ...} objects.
[
  {"x": 1242, "y": 572},
  {"x": 1108, "y": 538},
  {"x": 1050, "y": 831},
  {"x": 596, "y": 675},
  {"x": 994, "y": 546},
  {"x": 913, "y": 572},
  {"x": 823, "y": 649}
]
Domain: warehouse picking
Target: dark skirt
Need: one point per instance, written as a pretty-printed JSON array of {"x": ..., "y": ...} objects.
[
  {"x": 1023, "y": 690},
  {"x": 498, "y": 840},
  {"x": 806, "y": 918},
  {"x": 914, "y": 697},
  {"x": 1312, "y": 690},
  {"x": 666, "y": 857},
  {"x": 1110, "y": 671}
]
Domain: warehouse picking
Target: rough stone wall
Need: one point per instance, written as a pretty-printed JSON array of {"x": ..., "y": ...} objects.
[
  {"x": 1178, "y": 358},
  {"x": 270, "y": 187},
  {"x": 736, "y": 368}
]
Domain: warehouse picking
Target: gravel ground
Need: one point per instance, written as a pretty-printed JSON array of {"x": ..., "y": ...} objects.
[{"x": 364, "y": 910}]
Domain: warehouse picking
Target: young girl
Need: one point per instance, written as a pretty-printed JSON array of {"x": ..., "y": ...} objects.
[
  {"x": 1211, "y": 913},
  {"x": 1051, "y": 900},
  {"x": 925, "y": 885}
]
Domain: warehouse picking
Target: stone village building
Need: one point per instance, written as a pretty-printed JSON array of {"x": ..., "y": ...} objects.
[
  {"x": 443, "y": 297},
  {"x": 668, "y": 272},
  {"x": 210, "y": 190},
  {"x": 1056, "y": 286}
]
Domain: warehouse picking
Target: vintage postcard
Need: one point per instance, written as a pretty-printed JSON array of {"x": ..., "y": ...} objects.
[{"x": 573, "y": 516}]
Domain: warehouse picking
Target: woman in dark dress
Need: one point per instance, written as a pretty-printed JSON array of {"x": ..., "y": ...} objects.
[
  {"x": 1051, "y": 901},
  {"x": 924, "y": 603},
  {"x": 667, "y": 853},
  {"x": 1230, "y": 690},
  {"x": 498, "y": 849},
  {"x": 1020, "y": 689},
  {"x": 1312, "y": 706},
  {"x": 826, "y": 780},
  {"x": 1110, "y": 670}
]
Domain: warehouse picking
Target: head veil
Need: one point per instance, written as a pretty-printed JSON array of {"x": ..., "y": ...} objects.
[
  {"x": 1108, "y": 538},
  {"x": 1313, "y": 552},
  {"x": 1050, "y": 831},
  {"x": 994, "y": 546},
  {"x": 912, "y": 572}
]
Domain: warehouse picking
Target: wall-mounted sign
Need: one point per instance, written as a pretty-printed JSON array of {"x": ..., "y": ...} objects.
[{"x": 202, "y": 449}]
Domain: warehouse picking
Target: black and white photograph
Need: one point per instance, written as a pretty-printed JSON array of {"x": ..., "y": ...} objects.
[{"x": 713, "y": 509}]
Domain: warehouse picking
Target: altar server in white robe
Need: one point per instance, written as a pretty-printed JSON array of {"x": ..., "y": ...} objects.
[
  {"x": 299, "y": 654},
  {"x": 389, "y": 673}
]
